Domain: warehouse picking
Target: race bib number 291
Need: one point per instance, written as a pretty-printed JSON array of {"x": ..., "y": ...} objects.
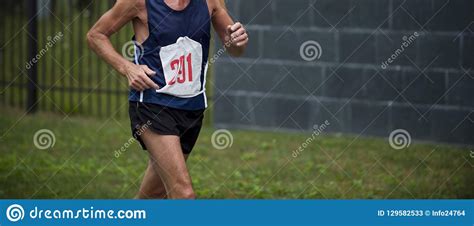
[{"x": 182, "y": 68}]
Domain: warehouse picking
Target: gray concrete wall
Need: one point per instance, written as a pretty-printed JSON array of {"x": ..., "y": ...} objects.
[{"x": 427, "y": 88}]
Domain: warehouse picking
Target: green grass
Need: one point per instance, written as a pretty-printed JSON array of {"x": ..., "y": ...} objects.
[{"x": 82, "y": 164}]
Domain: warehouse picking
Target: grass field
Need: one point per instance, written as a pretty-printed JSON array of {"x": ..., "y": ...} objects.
[{"x": 82, "y": 164}]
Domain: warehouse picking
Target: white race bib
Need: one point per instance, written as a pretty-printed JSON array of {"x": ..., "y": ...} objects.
[{"x": 182, "y": 68}]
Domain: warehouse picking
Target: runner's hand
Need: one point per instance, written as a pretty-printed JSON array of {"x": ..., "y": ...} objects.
[
  {"x": 238, "y": 35},
  {"x": 139, "y": 77}
]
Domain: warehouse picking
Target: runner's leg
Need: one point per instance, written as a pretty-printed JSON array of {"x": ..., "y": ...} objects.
[
  {"x": 152, "y": 186},
  {"x": 169, "y": 163}
]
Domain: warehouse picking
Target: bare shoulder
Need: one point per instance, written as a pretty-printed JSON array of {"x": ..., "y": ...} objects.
[
  {"x": 129, "y": 7},
  {"x": 130, "y": 3}
]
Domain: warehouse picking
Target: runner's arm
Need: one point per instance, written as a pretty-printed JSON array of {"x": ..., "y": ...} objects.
[
  {"x": 227, "y": 29},
  {"x": 98, "y": 38},
  {"x": 112, "y": 21}
]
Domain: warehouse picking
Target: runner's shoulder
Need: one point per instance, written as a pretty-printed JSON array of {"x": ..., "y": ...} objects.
[{"x": 129, "y": 6}]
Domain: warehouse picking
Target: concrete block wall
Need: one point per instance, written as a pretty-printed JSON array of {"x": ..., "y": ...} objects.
[{"x": 384, "y": 65}]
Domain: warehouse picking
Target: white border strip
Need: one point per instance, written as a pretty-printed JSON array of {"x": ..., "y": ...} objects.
[{"x": 137, "y": 63}]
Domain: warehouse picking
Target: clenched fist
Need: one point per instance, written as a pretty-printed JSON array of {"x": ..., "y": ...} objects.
[{"x": 237, "y": 35}]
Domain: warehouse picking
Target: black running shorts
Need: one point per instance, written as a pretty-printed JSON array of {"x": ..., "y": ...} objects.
[{"x": 166, "y": 121}]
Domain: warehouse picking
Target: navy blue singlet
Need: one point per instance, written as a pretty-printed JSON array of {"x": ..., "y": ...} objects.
[{"x": 166, "y": 26}]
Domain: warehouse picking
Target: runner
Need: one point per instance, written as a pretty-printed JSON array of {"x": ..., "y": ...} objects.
[{"x": 167, "y": 79}]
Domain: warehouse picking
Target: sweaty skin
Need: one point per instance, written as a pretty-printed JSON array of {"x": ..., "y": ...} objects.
[{"x": 166, "y": 175}]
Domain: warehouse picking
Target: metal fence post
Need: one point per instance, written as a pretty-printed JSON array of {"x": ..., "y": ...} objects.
[{"x": 32, "y": 98}]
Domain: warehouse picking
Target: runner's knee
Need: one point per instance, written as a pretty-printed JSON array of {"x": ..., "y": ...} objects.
[{"x": 182, "y": 192}]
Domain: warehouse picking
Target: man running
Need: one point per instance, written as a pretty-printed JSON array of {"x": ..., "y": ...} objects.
[{"x": 167, "y": 79}]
